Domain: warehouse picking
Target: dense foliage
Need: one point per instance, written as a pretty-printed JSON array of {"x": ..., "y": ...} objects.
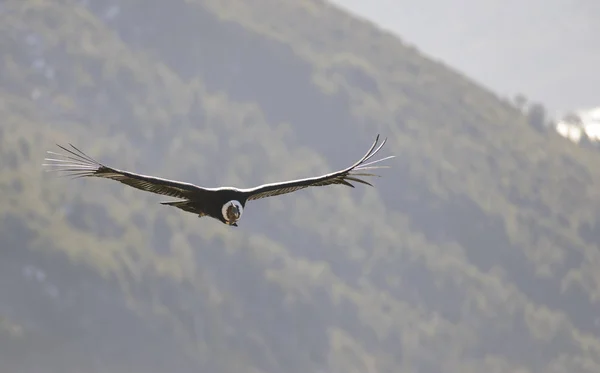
[{"x": 478, "y": 250}]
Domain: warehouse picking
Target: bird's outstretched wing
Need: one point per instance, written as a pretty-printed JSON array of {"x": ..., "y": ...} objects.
[
  {"x": 344, "y": 177},
  {"x": 77, "y": 164}
]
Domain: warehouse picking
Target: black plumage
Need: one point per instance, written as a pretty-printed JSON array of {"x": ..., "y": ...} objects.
[{"x": 225, "y": 204}]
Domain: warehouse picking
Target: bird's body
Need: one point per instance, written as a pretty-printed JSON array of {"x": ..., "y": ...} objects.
[
  {"x": 225, "y": 204},
  {"x": 222, "y": 204}
]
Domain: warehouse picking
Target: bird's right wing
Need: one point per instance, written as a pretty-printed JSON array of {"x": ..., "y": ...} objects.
[{"x": 77, "y": 164}]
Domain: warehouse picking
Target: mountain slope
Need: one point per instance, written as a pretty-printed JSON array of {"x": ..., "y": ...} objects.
[{"x": 476, "y": 251}]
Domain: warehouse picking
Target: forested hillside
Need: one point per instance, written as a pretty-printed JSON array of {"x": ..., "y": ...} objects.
[{"x": 476, "y": 252}]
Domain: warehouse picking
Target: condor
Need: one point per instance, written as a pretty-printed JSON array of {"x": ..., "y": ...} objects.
[{"x": 225, "y": 204}]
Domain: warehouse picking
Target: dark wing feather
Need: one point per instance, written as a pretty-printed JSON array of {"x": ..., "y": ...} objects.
[
  {"x": 344, "y": 177},
  {"x": 77, "y": 164}
]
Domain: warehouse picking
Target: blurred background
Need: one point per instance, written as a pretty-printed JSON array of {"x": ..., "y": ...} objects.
[{"x": 478, "y": 251}]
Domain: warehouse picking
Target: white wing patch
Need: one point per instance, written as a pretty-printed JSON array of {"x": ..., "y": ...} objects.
[{"x": 275, "y": 192}]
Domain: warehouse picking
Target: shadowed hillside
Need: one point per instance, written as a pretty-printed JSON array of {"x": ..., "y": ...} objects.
[{"x": 477, "y": 251}]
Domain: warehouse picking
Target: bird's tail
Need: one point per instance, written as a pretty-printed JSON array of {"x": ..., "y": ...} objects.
[{"x": 184, "y": 205}]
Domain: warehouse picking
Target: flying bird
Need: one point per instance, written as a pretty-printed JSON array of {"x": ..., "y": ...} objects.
[{"x": 225, "y": 204}]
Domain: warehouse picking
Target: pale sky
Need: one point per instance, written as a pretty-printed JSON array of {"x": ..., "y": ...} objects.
[{"x": 549, "y": 50}]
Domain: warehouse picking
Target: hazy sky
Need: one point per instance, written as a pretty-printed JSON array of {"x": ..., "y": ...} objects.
[{"x": 548, "y": 50}]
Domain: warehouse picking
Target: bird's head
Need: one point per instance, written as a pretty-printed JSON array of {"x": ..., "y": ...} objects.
[{"x": 232, "y": 211}]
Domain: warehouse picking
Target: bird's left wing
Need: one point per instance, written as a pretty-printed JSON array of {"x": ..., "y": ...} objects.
[
  {"x": 77, "y": 164},
  {"x": 344, "y": 177}
]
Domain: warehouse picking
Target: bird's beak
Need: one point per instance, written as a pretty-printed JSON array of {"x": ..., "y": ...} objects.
[{"x": 234, "y": 224}]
